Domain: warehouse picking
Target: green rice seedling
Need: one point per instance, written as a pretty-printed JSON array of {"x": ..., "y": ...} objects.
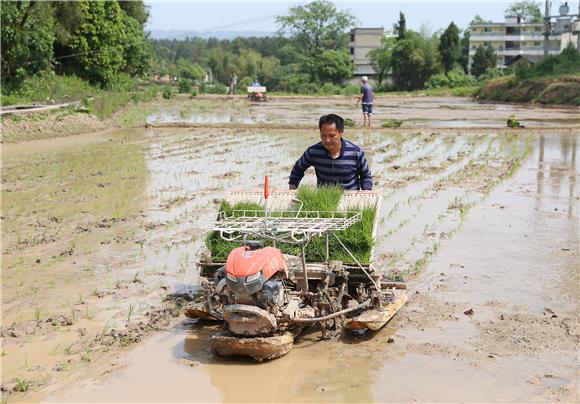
[
  {"x": 22, "y": 385},
  {"x": 37, "y": 313},
  {"x": 106, "y": 327},
  {"x": 86, "y": 356},
  {"x": 349, "y": 123},
  {"x": 62, "y": 366},
  {"x": 392, "y": 123},
  {"x": 436, "y": 245},
  {"x": 54, "y": 350},
  {"x": 357, "y": 238},
  {"x": 221, "y": 248},
  {"x": 395, "y": 276},
  {"x": 88, "y": 315},
  {"x": 319, "y": 199},
  {"x": 130, "y": 313},
  {"x": 419, "y": 265},
  {"x": 124, "y": 341},
  {"x": 512, "y": 122}
]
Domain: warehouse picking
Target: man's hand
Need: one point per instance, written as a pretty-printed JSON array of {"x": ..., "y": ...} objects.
[{"x": 292, "y": 186}]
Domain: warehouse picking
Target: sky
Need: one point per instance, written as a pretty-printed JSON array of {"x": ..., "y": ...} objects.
[{"x": 260, "y": 15}]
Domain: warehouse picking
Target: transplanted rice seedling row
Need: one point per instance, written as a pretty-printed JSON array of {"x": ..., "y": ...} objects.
[
  {"x": 475, "y": 183},
  {"x": 357, "y": 238}
]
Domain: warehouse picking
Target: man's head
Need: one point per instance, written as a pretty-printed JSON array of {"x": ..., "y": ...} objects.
[
  {"x": 365, "y": 79},
  {"x": 331, "y": 127}
]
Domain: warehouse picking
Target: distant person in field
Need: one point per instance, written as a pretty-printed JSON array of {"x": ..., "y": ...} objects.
[
  {"x": 366, "y": 99},
  {"x": 256, "y": 83},
  {"x": 336, "y": 161},
  {"x": 233, "y": 83}
]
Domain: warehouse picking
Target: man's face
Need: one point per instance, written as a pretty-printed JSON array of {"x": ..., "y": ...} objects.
[{"x": 330, "y": 137}]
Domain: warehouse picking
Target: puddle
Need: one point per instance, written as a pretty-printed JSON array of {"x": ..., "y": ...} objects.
[{"x": 176, "y": 115}]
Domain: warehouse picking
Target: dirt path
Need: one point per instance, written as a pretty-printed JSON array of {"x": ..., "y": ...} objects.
[{"x": 481, "y": 220}]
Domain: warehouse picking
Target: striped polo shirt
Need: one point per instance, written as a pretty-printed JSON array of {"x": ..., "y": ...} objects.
[{"x": 349, "y": 170}]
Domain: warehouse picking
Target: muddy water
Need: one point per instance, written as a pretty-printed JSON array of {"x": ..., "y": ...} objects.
[
  {"x": 420, "y": 112},
  {"x": 507, "y": 249},
  {"x": 513, "y": 257}
]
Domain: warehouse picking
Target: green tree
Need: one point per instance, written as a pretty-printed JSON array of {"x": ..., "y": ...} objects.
[
  {"x": 287, "y": 54},
  {"x": 68, "y": 18},
  {"x": 316, "y": 27},
  {"x": 464, "y": 50},
  {"x": 27, "y": 37},
  {"x": 401, "y": 26},
  {"x": 108, "y": 42},
  {"x": 414, "y": 60},
  {"x": 484, "y": 58},
  {"x": 135, "y": 9},
  {"x": 99, "y": 41},
  {"x": 527, "y": 10},
  {"x": 333, "y": 66},
  {"x": 478, "y": 20},
  {"x": 408, "y": 64},
  {"x": 433, "y": 64},
  {"x": 449, "y": 47},
  {"x": 381, "y": 59},
  {"x": 268, "y": 67},
  {"x": 221, "y": 64},
  {"x": 137, "y": 51},
  {"x": 188, "y": 70},
  {"x": 249, "y": 63}
]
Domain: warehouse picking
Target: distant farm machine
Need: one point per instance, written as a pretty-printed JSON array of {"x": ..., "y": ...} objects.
[
  {"x": 265, "y": 298},
  {"x": 257, "y": 94}
]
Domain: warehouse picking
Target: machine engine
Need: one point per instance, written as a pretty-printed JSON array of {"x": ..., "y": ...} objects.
[{"x": 251, "y": 288}]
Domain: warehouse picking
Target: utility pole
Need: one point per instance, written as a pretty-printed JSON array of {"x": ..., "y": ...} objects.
[{"x": 547, "y": 29}]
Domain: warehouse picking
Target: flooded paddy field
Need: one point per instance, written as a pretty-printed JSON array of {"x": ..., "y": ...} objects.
[
  {"x": 423, "y": 112},
  {"x": 98, "y": 229}
]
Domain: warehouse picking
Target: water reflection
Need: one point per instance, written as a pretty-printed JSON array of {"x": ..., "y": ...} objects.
[
  {"x": 557, "y": 170},
  {"x": 177, "y": 115},
  {"x": 329, "y": 371}
]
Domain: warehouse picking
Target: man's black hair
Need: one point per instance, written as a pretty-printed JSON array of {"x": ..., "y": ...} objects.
[{"x": 331, "y": 119}]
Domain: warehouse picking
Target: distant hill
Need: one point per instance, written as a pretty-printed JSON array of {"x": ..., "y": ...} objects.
[{"x": 182, "y": 34}]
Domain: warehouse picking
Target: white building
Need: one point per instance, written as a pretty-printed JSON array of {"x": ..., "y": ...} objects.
[
  {"x": 362, "y": 41},
  {"x": 514, "y": 37}
]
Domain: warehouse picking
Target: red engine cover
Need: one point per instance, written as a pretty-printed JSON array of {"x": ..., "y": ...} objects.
[{"x": 244, "y": 262}]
